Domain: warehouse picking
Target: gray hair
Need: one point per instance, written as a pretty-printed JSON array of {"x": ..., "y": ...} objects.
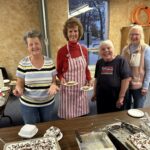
[{"x": 32, "y": 34}]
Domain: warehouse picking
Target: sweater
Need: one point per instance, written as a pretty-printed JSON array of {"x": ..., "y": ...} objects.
[{"x": 63, "y": 55}]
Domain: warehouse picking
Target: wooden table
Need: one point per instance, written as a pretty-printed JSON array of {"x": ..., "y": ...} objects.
[{"x": 68, "y": 142}]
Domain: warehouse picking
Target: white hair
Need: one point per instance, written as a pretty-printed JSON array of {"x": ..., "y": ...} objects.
[
  {"x": 108, "y": 43},
  {"x": 138, "y": 28}
]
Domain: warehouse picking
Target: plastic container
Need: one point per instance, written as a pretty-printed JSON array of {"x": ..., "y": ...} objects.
[{"x": 28, "y": 131}]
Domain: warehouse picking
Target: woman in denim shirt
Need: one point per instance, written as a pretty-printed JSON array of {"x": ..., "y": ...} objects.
[{"x": 137, "y": 52}]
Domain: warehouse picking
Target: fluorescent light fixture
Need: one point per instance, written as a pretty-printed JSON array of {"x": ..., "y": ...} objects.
[{"x": 80, "y": 10}]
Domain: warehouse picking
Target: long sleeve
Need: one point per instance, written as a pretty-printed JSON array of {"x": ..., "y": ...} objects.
[
  {"x": 60, "y": 62},
  {"x": 147, "y": 68},
  {"x": 62, "y": 59}
]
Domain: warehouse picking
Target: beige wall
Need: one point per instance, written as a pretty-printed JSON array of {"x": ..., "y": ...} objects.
[
  {"x": 16, "y": 17},
  {"x": 19, "y": 16},
  {"x": 57, "y": 15},
  {"x": 120, "y": 11}
]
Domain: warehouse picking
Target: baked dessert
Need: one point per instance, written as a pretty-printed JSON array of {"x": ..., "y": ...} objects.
[
  {"x": 53, "y": 131},
  {"x": 140, "y": 140},
  {"x": 34, "y": 144},
  {"x": 71, "y": 82},
  {"x": 85, "y": 87}
]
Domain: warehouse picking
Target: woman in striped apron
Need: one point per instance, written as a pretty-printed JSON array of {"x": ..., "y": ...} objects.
[{"x": 72, "y": 66}]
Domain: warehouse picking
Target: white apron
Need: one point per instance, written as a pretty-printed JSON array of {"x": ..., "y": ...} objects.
[{"x": 73, "y": 101}]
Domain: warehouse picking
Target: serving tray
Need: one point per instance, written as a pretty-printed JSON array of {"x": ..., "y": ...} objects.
[
  {"x": 95, "y": 141},
  {"x": 120, "y": 132}
]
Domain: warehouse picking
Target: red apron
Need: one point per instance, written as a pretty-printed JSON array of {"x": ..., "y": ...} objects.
[{"x": 73, "y": 101}]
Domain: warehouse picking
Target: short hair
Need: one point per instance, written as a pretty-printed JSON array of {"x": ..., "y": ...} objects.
[
  {"x": 108, "y": 43},
  {"x": 32, "y": 34},
  {"x": 72, "y": 22},
  {"x": 138, "y": 28}
]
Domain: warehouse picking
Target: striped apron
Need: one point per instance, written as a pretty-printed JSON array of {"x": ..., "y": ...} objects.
[{"x": 73, "y": 101}]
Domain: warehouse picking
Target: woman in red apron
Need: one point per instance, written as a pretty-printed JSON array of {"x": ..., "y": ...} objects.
[{"x": 72, "y": 66}]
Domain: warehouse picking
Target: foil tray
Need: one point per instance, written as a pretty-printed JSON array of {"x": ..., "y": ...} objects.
[
  {"x": 95, "y": 141},
  {"x": 119, "y": 134}
]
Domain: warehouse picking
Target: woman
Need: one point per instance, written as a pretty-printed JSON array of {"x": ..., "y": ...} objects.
[
  {"x": 35, "y": 82},
  {"x": 112, "y": 76},
  {"x": 72, "y": 66},
  {"x": 137, "y": 53}
]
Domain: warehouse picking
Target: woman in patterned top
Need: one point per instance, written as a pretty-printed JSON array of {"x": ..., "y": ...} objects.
[{"x": 35, "y": 82}]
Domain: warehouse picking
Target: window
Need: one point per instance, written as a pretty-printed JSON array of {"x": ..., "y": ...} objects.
[{"x": 95, "y": 23}]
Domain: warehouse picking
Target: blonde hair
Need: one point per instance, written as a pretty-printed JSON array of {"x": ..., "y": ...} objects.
[
  {"x": 138, "y": 28},
  {"x": 107, "y": 42}
]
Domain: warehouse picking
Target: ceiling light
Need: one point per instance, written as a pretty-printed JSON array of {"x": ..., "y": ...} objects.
[{"x": 80, "y": 10}]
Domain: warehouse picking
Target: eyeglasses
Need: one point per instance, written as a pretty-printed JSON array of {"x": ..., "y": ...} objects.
[{"x": 134, "y": 34}]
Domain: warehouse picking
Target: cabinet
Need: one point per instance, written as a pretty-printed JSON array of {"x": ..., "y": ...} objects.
[{"x": 124, "y": 35}]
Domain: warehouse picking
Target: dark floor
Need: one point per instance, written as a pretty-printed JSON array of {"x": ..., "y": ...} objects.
[{"x": 13, "y": 110}]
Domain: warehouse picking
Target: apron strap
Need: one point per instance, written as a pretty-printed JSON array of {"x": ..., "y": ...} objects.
[{"x": 79, "y": 47}]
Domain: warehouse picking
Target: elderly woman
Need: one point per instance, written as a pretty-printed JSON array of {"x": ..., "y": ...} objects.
[
  {"x": 112, "y": 76},
  {"x": 35, "y": 82},
  {"x": 137, "y": 53},
  {"x": 72, "y": 66}
]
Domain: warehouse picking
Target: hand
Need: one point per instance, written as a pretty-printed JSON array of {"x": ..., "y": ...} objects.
[
  {"x": 144, "y": 91},
  {"x": 53, "y": 89},
  {"x": 93, "y": 98},
  {"x": 90, "y": 83},
  {"x": 18, "y": 91},
  {"x": 62, "y": 81},
  {"x": 119, "y": 102}
]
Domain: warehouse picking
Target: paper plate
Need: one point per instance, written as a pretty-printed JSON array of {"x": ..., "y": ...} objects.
[
  {"x": 135, "y": 113},
  {"x": 6, "y": 80},
  {"x": 5, "y": 88},
  {"x": 71, "y": 83},
  {"x": 86, "y": 88}
]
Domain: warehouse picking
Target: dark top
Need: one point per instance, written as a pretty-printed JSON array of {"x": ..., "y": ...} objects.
[{"x": 110, "y": 74}]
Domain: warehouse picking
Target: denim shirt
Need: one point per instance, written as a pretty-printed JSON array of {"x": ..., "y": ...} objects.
[{"x": 147, "y": 68}]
